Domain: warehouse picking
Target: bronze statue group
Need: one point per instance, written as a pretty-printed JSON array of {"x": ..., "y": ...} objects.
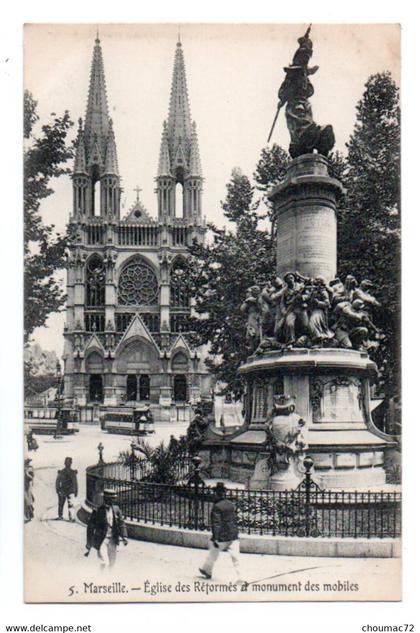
[{"x": 299, "y": 311}]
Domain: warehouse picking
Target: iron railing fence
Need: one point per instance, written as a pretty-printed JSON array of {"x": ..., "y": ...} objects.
[
  {"x": 135, "y": 469},
  {"x": 306, "y": 512}
]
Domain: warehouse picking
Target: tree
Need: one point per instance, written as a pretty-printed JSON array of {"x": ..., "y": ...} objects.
[
  {"x": 271, "y": 167},
  {"x": 270, "y": 171},
  {"x": 221, "y": 271},
  {"x": 369, "y": 221},
  {"x": 45, "y": 157}
]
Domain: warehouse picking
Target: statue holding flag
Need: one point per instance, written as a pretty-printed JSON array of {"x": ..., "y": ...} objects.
[{"x": 295, "y": 91}]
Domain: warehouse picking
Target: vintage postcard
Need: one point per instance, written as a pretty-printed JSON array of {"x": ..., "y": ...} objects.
[{"x": 212, "y": 312}]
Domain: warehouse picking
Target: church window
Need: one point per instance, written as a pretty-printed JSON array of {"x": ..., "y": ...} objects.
[
  {"x": 96, "y": 198},
  {"x": 152, "y": 321},
  {"x": 179, "y": 323},
  {"x": 95, "y": 282},
  {"x": 180, "y": 292},
  {"x": 138, "y": 284},
  {"x": 94, "y": 322},
  {"x": 179, "y": 200},
  {"x": 122, "y": 321}
]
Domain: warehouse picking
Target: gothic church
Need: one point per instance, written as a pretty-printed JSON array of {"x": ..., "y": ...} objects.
[{"x": 125, "y": 335}]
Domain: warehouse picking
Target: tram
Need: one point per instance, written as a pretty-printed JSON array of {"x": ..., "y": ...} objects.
[
  {"x": 43, "y": 420},
  {"x": 127, "y": 420}
]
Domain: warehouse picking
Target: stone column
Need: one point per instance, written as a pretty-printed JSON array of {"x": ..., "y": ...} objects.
[{"x": 305, "y": 212}]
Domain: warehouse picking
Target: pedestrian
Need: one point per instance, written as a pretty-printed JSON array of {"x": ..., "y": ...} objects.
[
  {"x": 105, "y": 529},
  {"x": 66, "y": 488},
  {"x": 224, "y": 530},
  {"x": 29, "y": 499},
  {"x": 32, "y": 443}
]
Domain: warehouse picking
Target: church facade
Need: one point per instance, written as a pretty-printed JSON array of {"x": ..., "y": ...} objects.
[{"x": 126, "y": 332}]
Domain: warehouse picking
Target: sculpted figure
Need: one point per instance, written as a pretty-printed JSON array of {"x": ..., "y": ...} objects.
[
  {"x": 285, "y": 438},
  {"x": 318, "y": 318},
  {"x": 251, "y": 307},
  {"x": 363, "y": 293},
  {"x": 197, "y": 428},
  {"x": 277, "y": 288},
  {"x": 337, "y": 292},
  {"x": 295, "y": 91},
  {"x": 353, "y": 325},
  {"x": 294, "y": 322},
  {"x": 350, "y": 286},
  {"x": 266, "y": 309}
]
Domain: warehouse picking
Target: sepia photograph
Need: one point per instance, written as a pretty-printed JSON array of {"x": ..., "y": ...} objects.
[{"x": 212, "y": 362}]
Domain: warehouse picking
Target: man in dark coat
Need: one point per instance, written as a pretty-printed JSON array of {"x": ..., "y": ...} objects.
[
  {"x": 66, "y": 488},
  {"x": 29, "y": 499},
  {"x": 224, "y": 528},
  {"x": 105, "y": 529}
]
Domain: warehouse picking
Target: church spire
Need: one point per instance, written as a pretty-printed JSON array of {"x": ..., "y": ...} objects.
[
  {"x": 96, "y": 181},
  {"x": 179, "y": 119},
  {"x": 97, "y": 117},
  {"x": 195, "y": 163},
  {"x": 111, "y": 161},
  {"x": 179, "y": 159},
  {"x": 164, "y": 168},
  {"x": 80, "y": 157}
]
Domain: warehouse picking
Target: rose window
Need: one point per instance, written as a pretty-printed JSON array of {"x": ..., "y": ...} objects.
[{"x": 137, "y": 285}]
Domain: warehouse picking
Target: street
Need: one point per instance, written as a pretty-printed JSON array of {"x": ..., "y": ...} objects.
[{"x": 57, "y": 570}]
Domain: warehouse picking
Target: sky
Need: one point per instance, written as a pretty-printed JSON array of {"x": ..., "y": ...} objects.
[{"x": 233, "y": 74}]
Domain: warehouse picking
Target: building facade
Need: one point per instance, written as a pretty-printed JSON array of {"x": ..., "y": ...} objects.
[{"x": 126, "y": 332}]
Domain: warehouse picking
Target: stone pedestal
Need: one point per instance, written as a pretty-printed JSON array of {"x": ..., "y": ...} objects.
[
  {"x": 286, "y": 479},
  {"x": 305, "y": 212},
  {"x": 331, "y": 392}
]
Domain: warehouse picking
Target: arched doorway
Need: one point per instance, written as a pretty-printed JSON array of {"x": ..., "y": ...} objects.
[
  {"x": 131, "y": 387},
  {"x": 180, "y": 388},
  {"x": 94, "y": 368},
  {"x": 96, "y": 388},
  {"x": 144, "y": 387}
]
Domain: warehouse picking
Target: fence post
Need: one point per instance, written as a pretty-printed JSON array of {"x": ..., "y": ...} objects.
[
  {"x": 308, "y": 462},
  {"x": 100, "y": 448},
  {"x": 132, "y": 461},
  {"x": 196, "y": 481}
]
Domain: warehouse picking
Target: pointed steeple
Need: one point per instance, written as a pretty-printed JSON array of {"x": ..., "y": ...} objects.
[
  {"x": 164, "y": 168},
  {"x": 195, "y": 163},
  {"x": 97, "y": 117},
  {"x": 179, "y": 160},
  {"x": 80, "y": 157},
  {"x": 111, "y": 161},
  {"x": 179, "y": 119}
]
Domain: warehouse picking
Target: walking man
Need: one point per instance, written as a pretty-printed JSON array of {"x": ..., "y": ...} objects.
[
  {"x": 224, "y": 536},
  {"x": 66, "y": 488},
  {"x": 105, "y": 529}
]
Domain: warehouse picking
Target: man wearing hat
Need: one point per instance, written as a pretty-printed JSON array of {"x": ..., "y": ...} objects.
[
  {"x": 224, "y": 536},
  {"x": 105, "y": 529},
  {"x": 66, "y": 488}
]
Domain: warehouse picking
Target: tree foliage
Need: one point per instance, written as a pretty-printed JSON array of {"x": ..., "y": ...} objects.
[
  {"x": 45, "y": 158},
  {"x": 368, "y": 236},
  {"x": 224, "y": 267},
  {"x": 369, "y": 220}
]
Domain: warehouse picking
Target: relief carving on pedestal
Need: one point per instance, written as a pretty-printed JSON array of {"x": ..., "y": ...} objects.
[{"x": 337, "y": 399}]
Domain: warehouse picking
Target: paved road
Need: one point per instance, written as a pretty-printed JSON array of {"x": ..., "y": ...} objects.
[{"x": 57, "y": 569}]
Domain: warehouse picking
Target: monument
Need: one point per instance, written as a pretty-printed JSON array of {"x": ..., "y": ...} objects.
[{"x": 308, "y": 331}]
